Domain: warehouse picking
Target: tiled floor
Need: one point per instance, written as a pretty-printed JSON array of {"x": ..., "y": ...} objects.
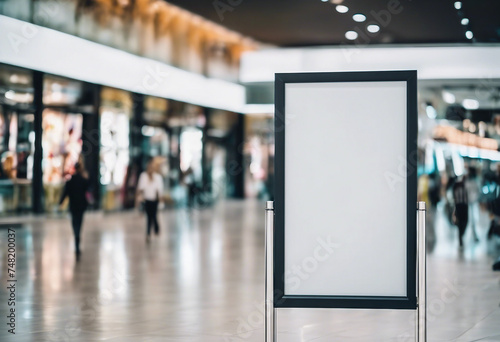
[{"x": 202, "y": 279}]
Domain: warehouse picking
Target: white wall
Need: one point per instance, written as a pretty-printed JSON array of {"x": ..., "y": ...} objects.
[
  {"x": 35, "y": 47},
  {"x": 431, "y": 62}
]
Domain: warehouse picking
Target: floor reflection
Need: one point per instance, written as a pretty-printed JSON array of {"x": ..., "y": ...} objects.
[{"x": 202, "y": 279}]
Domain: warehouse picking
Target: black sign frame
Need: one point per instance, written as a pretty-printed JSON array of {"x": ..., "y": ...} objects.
[{"x": 361, "y": 302}]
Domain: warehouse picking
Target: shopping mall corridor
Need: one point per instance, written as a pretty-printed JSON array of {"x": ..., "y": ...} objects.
[{"x": 202, "y": 279}]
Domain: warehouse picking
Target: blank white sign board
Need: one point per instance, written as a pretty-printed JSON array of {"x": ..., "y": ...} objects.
[{"x": 345, "y": 197}]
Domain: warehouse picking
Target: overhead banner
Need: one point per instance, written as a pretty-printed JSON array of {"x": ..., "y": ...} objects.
[{"x": 345, "y": 190}]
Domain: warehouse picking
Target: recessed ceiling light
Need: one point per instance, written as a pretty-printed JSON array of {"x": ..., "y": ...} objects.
[
  {"x": 373, "y": 28},
  {"x": 324, "y": 0},
  {"x": 448, "y": 97},
  {"x": 458, "y": 5},
  {"x": 470, "y": 104},
  {"x": 342, "y": 9},
  {"x": 336, "y": 2},
  {"x": 359, "y": 17},
  {"x": 431, "y": 112},
  {"x": 465, "y": 21},
  {"x": 11, "y": 95},
  {"x": 469, "y": 34},
  {"x": 351, "y": 35},
  {"x": 14, "y": 78}
]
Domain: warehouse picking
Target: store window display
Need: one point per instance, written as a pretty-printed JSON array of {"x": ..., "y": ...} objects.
[
  {"x": 155, "y": 131},
  {"x": 191, "y": 150},
  {"x": 186, "y": 122},
  {"x": 115, "y": 115},
  {"x": 16, "y": 139},
  {"x": 62, "y": 146},
  {"x": 220, "y": 124},
  {"x": 157, "y": 136},
  {"x": 259, "y": 157},
  {"x": 156, "y": 141},
  {"x": 215, "y": 169},
  {"x": 61, "y": 135},
  {"x": 191, "y": 145}
]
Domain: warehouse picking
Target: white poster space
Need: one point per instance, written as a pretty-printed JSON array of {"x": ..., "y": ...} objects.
[{"x": 345, "y": 189}]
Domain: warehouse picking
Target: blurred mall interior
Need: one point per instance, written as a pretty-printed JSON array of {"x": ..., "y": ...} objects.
[{"x": 190, "y": 84}]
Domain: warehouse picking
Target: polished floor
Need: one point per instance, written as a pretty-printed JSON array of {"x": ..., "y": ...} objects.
[{"x": 202, "y": 279}]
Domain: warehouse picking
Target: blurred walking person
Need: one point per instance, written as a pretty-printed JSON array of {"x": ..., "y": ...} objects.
[
  {"x": 472, "y": 186},
  {"x": 189, "y": 180},
  {"x": 149, "y": 192},
  {"x": 461, "y": 212},
  {"x": 76, "y": 190},
  {"x": 494, "y": 207}
]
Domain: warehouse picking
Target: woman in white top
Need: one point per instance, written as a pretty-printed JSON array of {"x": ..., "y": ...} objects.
[{"x": 150, "y": 191}]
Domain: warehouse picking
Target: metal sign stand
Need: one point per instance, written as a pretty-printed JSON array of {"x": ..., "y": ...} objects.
[
  {"x": 421, "y": 314},
  {"x": 270, "y": 310}
]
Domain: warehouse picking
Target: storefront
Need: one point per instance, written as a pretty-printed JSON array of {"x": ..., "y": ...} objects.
[
  {"x": 49, "y": 123},
  {"x": 46, "y": 126},
  {"x": 65, "y": 104},
  {"x": 221, "y": 153},
  {"x": 186, "y": 123},
  {"x": 156, "y": 137},
  {"x": 16, "y": 139},
  {"x": 259, "y": 156},
  {"x": 114, "y": 154}
]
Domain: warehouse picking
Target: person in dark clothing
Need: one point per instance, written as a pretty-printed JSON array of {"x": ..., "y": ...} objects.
[
  {"x": 461, "y": 214},
  {"x": 76, "y": 189},
  {"x": 494, "y": 205},
  {"x": 434, "y": 189}
]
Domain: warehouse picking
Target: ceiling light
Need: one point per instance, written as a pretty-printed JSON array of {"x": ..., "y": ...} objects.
[
  {"x": 19, "y": 97},
  {"x": 465, "y": 21},
  {"x": 373, "y": 28},
  {"x": 448, "y": 97},
  {"x": 359, "y": 17},
  {"x": 324, "y": 0},
  {"x": 19, "y": 79},
  {"x": 470, "y": 104},
  {"x": 458, "y": 5},
  {"x": 431, "y": 112},
  {"x": 351, "y": 35},
  {"x": 14, "y": 78},
  {"x": 148, "y": 131},
  {"x": 11, "y": 95},
  {"x": 336, "y": 2},
  {"x": 342, "y": 9},
  {"x": 469, "y": 34}
]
